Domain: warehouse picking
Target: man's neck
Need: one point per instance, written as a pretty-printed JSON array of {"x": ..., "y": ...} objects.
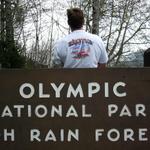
[{"x": 76, "y": 29}]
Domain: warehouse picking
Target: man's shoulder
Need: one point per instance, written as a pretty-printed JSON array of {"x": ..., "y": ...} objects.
[
  {"x": 61, "y": 41},
  {"x": 94, "y": 36},
  {"x": 73, "y": 35}
]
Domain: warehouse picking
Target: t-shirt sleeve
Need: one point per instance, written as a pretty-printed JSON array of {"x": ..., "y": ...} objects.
[{"x": 104, "y": 56}]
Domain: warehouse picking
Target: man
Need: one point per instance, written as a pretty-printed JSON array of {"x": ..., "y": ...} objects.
[{"x": 79, "y": 49}]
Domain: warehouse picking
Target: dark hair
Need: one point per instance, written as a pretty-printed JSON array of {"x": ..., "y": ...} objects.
[{"x": 75, "y": 18}]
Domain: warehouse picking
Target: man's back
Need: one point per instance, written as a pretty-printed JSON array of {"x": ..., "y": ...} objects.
[{"x": 80, "y": 50}]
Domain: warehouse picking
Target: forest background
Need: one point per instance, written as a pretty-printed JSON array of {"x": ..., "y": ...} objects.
[{"x": 30, "y": 28}]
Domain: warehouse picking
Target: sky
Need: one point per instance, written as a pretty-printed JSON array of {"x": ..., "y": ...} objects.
[{"x": 56, "y": 21}]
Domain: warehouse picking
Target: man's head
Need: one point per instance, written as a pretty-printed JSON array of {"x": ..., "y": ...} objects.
[{"x": 75, "y": 18}]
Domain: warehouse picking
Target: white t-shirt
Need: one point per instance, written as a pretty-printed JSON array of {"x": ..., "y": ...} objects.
[{"x": 80, "y": 49}]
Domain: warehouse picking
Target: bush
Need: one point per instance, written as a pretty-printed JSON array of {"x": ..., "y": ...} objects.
[{"x": 10, "y": 56}]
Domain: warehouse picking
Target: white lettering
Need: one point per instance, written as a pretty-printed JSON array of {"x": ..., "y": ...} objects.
[
  {"x": 142, "y": 133},
  {"x": 58, "y": 111},
  {"x": 57, "y": 89},
  {"x": 140, "y": 109},
  {"x": 50, "y": 136},
  {"x": 98, "y": 133},
  {"x": 72, "y": 112},
  {"x": 10, "y": 134},
  {"x": 26, "y": 85},
  {"x": 115, "y": 89},
  {"x": 6, "y": 112},
  {"x": 125, "y": 111},
  {"x": 75, "y": 92},
  {"x": 84, "y": 114},
  {"x": 106, "y": 89},
  {"x": 93, "y": 88},
  {"x": 18, "y": 108},
  {"x": 128, "y": 134},
  {"x": 38, "y": 113},
  {"x": 74, "y": 135},
  {"x": 112, "y": 108},
  {"x": 29, "y": 111},
  {"x": 111, "y": 136},
  {"x": 34, "y": 135},
  {"x": 41, "y": 93}
]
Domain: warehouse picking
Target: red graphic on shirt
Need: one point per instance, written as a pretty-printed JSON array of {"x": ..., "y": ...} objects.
[
  {"x": 80, "y": 48},
  {"x": 81, "y": 54}
]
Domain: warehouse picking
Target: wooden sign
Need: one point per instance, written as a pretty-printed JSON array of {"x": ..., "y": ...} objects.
[{"x": 80, "y": 109}]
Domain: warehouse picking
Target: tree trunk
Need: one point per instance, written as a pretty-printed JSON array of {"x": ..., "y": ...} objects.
[
  {"x": 9, "y": 55},
  {"x": 2, "y": 21},
  {"x": 2, "y": 33},
  {"x": 9, "y": 24},
  {"x": 95, "y": 16},
  {"x": 97, "y": 13}
]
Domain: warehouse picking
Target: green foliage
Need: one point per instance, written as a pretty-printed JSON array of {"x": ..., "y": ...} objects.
[
  {"x": 10, "y": 56},
  {"x": 30, "y": 64}
]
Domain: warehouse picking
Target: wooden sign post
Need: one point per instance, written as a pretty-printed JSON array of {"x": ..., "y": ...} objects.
[{"x": 84, "y": 109}]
